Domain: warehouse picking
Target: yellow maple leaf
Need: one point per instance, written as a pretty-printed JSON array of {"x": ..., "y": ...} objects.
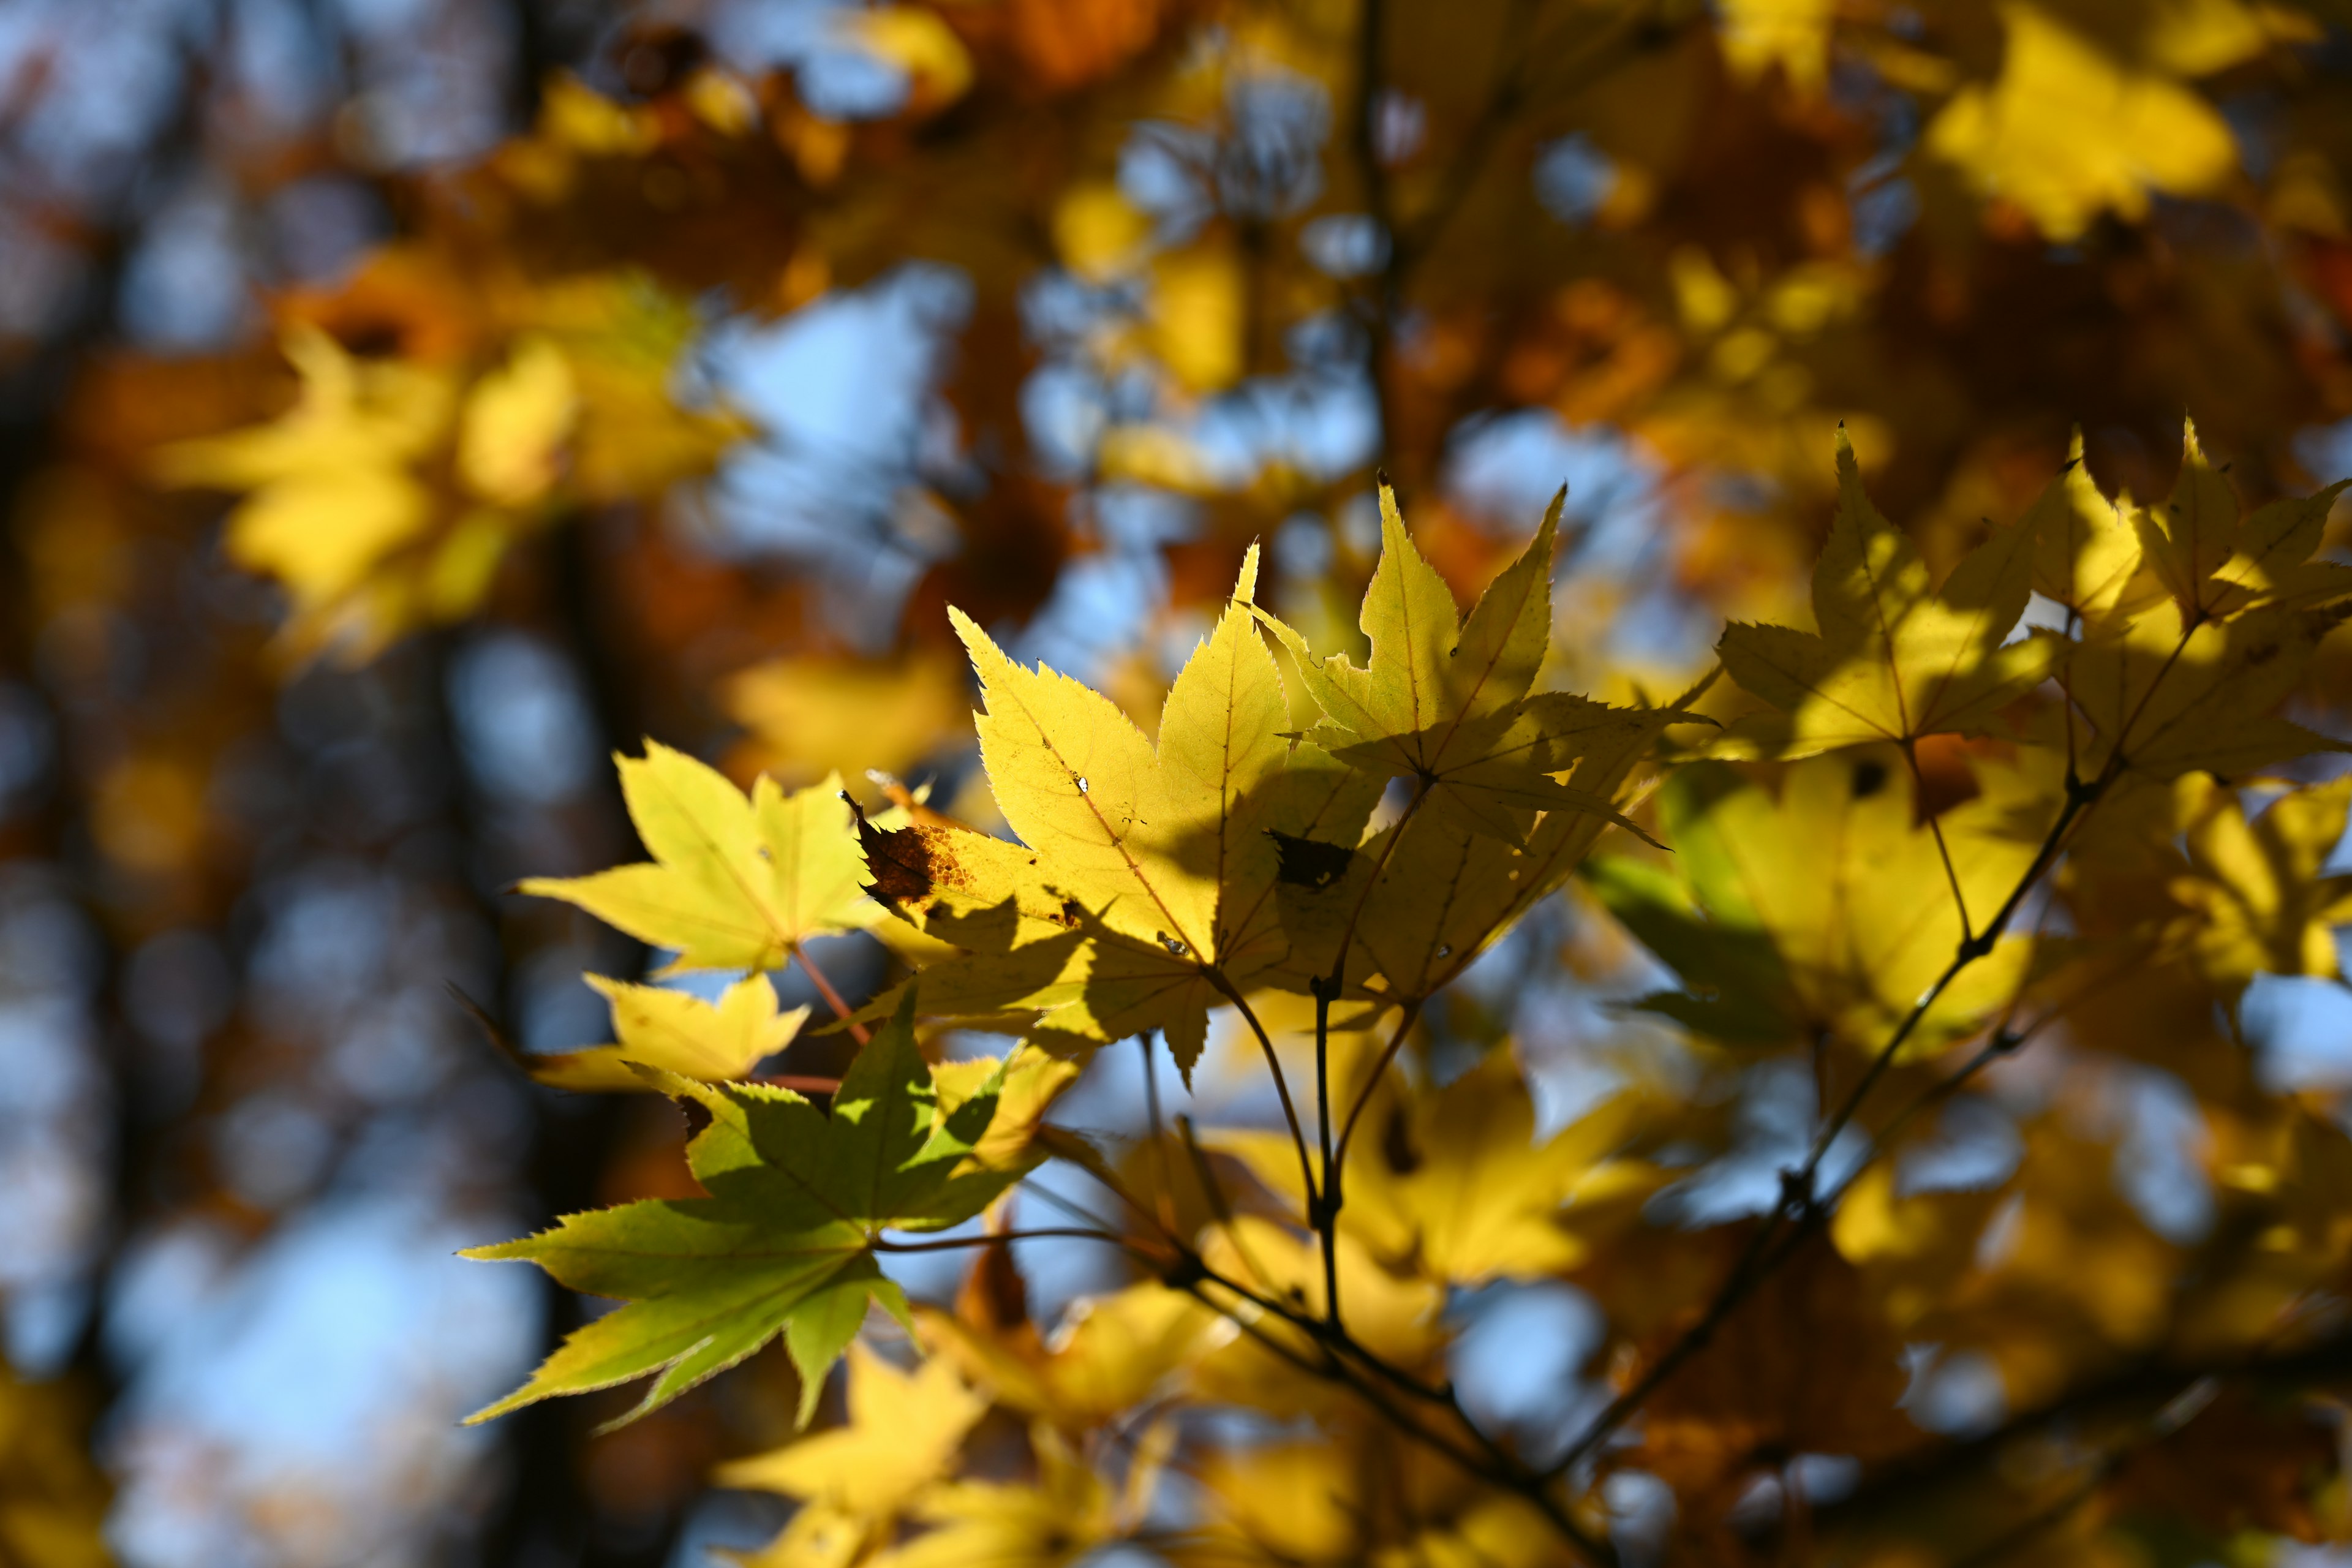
[
  {"x": 1031, "y": 1082},
  {"x": 1110, "y": 1354},
  {"x": 2167, "y": 696},
  {"x": 1451, "y": 1184},
  {"x": 1443, "y": 701},
  {"x": 332, "y": 490},
  {"x": 904, "y": 1431},
  {"x": 1065, "y": 1515},
  {"x": 1895, "y": 657},
  {"x": 1393, "y": 1316},
  {"x": 1145, "y": 893},
  {"x": 736, "y": 882},
  {"x": 2068, "y": 131},
  {"x": 2087, "y": 551},
  {"x": 1824, "y": 908},
  {"x": 1289, "y": 1502},
  {"x": 2260, "y": 901},
  {"x": 676, "y": 1032},
  {"x": 2217, "y": 564}
]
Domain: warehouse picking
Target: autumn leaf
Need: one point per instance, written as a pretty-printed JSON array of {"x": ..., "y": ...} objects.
[
  {"x": 1111, "y": 1352},
  {"x": 1145, "y": 893},
  {"x": 2087, "y": 551},
  {"x": 903, "y": 1432},
  {"x": 2067, "y": 132},
  {"x": 1825, "y": 907},
  {"x": 1443, "y": 701},
  {"x": 2169, "y": 696},
  {"x": 393, "y": 489},
  {"x": 784, "y": 1244},
  {"x": 1452, "y": 1183},
  {"x": 2217, "y": 564},
  {"x": 1422, "y": 897},
  {"x": 1895, "y": 657},
  {"x": 2261, "y": 902},
  {"x": 675, "y": 1032},
  {"x": 1065, "y": 1516},
  {"x": 735, "y": 882}
]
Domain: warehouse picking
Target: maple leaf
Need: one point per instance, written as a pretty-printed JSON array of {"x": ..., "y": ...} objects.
[
  {"x": 1423, "y": 897},
  {"x": 333, "y": 488},
  {"x": 1110, "y": 1354},
  {"x": 1452, "y": 1184},
  {"x": 785, "y": 1243},
  {"x": 675, "y": 1032},
  {"x": 1066, "y": 1515},
  {"x": 2167, "y": 696},
  {"x": 735, "y": 882},
  {"x": 903, "y": 1432},
  {"x": 1444, "y": 700},
  {"x": 2260, "y": 899},
  {"x": 1895, "y": 659},
  {"x": 2087, "y": 549},
  {"x": 1826, "y": 907},
  {"x": 1143, "y": 891},
  {"x": 2217, "y": 564},
  {"x": 2028, "y": 139}
]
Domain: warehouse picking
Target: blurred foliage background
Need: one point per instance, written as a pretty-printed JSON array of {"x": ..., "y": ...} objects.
[{"x": 404, "y": 404}]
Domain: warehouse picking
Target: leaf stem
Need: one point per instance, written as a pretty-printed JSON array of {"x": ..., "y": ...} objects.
[
  {"x": 1281, "y": 1087},
  {"x": 952, "y": 1243},
  {"x": 1364, "y": 1094},
  {"x": 841, "y": 1009},
  {"x": 1936, "y": 828},
  {"x": 1323, "y": 1212}
]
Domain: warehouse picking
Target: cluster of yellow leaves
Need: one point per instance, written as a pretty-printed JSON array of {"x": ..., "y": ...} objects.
[
  {"x": 1844, "y": 890},
  {"x": 1152, "y": 881},
  {"x": 1156, "y": 880},
  {"x": 389, "y": 492},
  {"x": 2089, "y": 110}
]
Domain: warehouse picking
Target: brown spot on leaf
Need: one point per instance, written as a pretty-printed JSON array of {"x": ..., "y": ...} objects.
[{"x": 903, "y": 868}]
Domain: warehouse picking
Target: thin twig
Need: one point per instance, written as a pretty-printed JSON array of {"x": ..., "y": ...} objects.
[{"x": 1799, "y": 1200}]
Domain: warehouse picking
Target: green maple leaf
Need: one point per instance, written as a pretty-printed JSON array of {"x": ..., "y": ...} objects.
[{"x": 785, "y": 1243}]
